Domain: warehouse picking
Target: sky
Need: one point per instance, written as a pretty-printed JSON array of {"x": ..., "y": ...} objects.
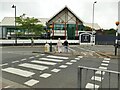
[{"x": 106, "y": 11}]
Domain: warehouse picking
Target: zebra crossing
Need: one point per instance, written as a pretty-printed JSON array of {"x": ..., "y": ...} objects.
[
  {"x": 97, "y": 77},
  {"x": 35, "y": 67}
]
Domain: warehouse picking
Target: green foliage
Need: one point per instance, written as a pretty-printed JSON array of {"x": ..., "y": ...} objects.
[
  {"x": 87, "y": 28},
  {"x": 30, "y": 25},
  {"x": 109, "y": 32}
]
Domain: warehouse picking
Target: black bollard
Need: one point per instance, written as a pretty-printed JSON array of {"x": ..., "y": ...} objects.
[{"x": 50, "y": 46}]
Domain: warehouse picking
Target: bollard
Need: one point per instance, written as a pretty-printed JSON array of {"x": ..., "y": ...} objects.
[{"x": 50, "y": 46}]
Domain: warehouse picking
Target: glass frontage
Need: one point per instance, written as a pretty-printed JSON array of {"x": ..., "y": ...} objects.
[{"x": 59, "y": 27}]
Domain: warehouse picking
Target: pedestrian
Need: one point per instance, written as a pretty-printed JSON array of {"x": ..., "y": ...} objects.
[
  {"x": 32, "y": 42},
  {"x": 66, "y": 44},
  {"x": 59, "y": 45}
]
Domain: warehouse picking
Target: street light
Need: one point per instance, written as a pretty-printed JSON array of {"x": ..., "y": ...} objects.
[
  {"x": 93, "y": 21},
  {"x": 13, "y": 6},
  {"x": 116, "y": 40}
]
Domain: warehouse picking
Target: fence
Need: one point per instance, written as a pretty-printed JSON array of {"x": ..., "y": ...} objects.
[{"x": 106, "y": 79}]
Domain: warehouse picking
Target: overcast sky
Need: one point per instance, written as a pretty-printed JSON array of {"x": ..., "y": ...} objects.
[{"x": 106, "y": 11}]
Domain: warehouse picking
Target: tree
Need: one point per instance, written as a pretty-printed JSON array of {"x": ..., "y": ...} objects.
[
  {"x": 109, "y": 31},
  {"x": 30, "y": 25},
  {"x": 87, "y": 28}
]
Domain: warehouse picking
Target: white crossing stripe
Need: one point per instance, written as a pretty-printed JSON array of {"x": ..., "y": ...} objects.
[
  {"x": 97, "y": 78},
  {"x": 4, "y": 64},
  {"x": 15, "y": 61},
  {"x": 45, "y": 75},
  {"x": 37, "y": 56},
  {"x": 63, "y": 66},
  {"x": 34, "y": 66},
  {"x": 80, "y": 56},
  {"x": 77, "y": 58},
  {"x": 31, "y": 82},
  {"x": 106, "y": 58},
  {"x": 90, "y": 85},
  {"x": 23, "y": 59},
  {"x": 102, "y": 67},
  {"x": 73, "y": 61},
  {"x": 18, "y": 72},
  {"x": 43, "y": 62},
  {"x": 99, "y": 72},
  {"x": 31, "y": 57},
  {"x": 69, "y": 63},
  {"x": 48, "y": 59},
  {"x": 42, "y": 54},
  {"x": 55, "y": 70},
  {"x": 58, "y": 57},
  {"x": 103, "y": 64},
  {"x": 105, "y": 61}
]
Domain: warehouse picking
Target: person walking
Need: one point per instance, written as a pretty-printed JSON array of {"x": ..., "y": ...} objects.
[
  {"x": 59, "y": 45},
  {"x": 66, "y": 44},
  {"x": 32, "y": 42}
]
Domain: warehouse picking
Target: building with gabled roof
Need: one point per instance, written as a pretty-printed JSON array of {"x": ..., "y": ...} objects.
[{"x": 64, "y": 24}]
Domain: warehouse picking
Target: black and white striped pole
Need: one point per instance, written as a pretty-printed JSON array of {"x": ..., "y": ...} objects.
[{"x": 116, "y": 40}]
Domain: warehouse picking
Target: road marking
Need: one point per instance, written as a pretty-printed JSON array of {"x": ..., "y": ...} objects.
[
  {"x": 37, "y": 56},
  {"x": 105, "y": 61},
  {"x": 42, "y": 54},
  {"x": 77, "y": 58},
  {"x": 90, "y": 85},
  {"x": 45, "y": 75},
  {"x": 48, "y": 59},
  {"x": 4, "y": 64},
  {"x": 43, "y": 62},
  {"x": 99, "y": 72},
  {"x": 84, "y": 53},
  {"x": 80, "y": 56},
  {"x": 15, "y": 61},
  {"x": 63, "y": 66},
  {"x": 106, "y": 58},
  {"x": 7, "y": 87},
  {"x": 31, "y": 82},
  {"x": 69, "y": 63},
  {"x": 31, "y": 57},
  {"x": 73, "y": 61},
  {"x": 18, "y": 72},
  {"x": 33, "y": 66},
  {"x": 55, "y": 70},
  {"x": 103, "y": 64},
  {"x": 91, "y": 53},
  {"x": 102, "y": 67},
  {"x": 58, "y": 57},
  {"x": 97, "y": 78},
  {"x": 23, "y": 59}
]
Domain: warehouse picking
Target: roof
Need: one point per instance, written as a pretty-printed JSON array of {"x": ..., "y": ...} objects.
[
  {"x": 43, "y": 21},
  {"x": 68, "y": 10},
  {"x": 9, "y": 21},
  {"x": 96, "y": 26}
]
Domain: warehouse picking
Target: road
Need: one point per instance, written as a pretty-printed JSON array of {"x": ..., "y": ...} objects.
[{"x": 23, "y": 69}]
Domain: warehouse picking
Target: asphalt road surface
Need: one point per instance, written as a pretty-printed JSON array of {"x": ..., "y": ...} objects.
[{"x": 23, "y": 69}]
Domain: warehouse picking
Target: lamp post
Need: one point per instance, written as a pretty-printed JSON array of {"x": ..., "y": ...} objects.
[
  {"x": 116, "y": 40},
  {"x": 13, "y": 6},
  {"x": 93, "y": 22}
]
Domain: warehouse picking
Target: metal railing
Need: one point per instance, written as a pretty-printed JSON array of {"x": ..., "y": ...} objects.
[{"x": 101, "y": 79}]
